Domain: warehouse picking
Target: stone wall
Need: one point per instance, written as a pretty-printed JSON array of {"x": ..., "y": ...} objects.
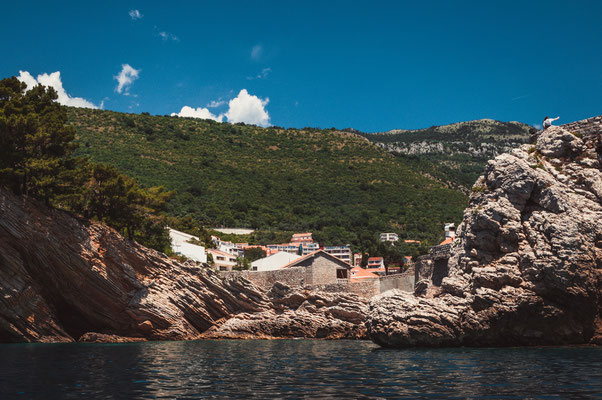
[
  {"x": 423, "y": 268},
  {"x": 294, "y": 276},
  {"x": 404, "y": 281},
  {"x": 323, "y": 272}
]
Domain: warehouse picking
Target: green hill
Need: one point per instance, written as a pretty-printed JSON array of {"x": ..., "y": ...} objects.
[
  {"x": 335, "y": 184},
  {"x": 455, "y": 153}
]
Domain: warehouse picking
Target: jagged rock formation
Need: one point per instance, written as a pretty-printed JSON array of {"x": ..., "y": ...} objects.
[
  {"x": 526, "y": 266},
  {"x": 64, "y": 279},
  {"x": 299, "y": 313}
]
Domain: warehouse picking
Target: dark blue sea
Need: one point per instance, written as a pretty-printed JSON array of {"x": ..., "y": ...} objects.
[{"x": 294, "y": 369}]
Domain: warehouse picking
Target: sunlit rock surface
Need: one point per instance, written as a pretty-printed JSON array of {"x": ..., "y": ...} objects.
[{"x": 526, "y": 265}]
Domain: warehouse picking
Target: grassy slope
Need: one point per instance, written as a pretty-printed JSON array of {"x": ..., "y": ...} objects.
[{"x": 335, "y": 184}]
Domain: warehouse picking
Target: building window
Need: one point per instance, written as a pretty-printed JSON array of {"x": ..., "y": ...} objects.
[{"x": 341, "y": 274}]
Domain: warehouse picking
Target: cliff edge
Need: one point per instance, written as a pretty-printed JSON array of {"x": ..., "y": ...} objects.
[
  {"x": 526, "y": 264},
  {"x": 64, "y": 279}
]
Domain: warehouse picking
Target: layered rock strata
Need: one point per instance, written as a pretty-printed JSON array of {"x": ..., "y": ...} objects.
[
  {"x": 62, "y": 279},
  {"x": 526, "y": 265}
]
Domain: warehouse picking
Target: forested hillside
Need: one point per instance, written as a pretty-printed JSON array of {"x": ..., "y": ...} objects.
[
  {"x": 335, "y": 184},
  {"x": 455, "y": 153}
]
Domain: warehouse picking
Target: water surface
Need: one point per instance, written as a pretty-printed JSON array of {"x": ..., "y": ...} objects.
[{"x": 294, "y": 369}]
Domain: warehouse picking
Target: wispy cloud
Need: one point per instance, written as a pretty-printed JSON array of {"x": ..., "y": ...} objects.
[
  {"x": 257, "y": 52},
  {"x": 126, "y": 78},
  {"x": 166, "y": 36},
  {"x": 262, "y": 75},
  {"x": 216, "y": 103},
  {"x": 54, "y": 80},
  {"x": 521, "y": 97},
  {"x": 135, "y": 14},
  {"x": 538, "y": 126}
]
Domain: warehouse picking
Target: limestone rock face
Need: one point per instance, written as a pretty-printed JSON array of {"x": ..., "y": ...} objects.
[
  {"x": 63, "y": 279},
  {"x": 299, "y": 313},
  {"x": 526, "y": 265}
]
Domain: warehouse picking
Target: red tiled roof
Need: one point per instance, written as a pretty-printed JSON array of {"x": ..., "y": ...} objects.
[
  {"x": 446, "y": 241},
  {"x": 375, "y": 259},
  {"x": 359, "y": 273}
]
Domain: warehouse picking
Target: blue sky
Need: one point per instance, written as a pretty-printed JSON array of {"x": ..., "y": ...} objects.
[{"x": 373, "y": 65}]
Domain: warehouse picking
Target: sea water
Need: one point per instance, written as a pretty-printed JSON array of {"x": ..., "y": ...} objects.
[{"x": 294, "y": 369}]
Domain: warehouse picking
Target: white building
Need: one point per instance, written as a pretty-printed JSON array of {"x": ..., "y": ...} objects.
[
  {"x": 340, "y": 252},
  {"x": 389, "y": 237},
  {"x": 450, "y": 230},
  {"x": 180, "y": 246},
  {"x": 274, "y": 262},
  {"x": 222, "y": 260}
]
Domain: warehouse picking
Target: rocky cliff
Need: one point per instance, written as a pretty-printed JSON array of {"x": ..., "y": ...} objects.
[
  {"x": 526, "y": 265},
  {"x": 64, "y": 279}
]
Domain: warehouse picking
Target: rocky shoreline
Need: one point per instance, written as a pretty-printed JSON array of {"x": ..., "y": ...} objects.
[{"x": 63, "y": 279}]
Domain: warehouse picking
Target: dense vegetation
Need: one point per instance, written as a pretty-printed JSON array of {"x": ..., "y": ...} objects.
[
  {"x": 335, "y": 184},
  {"x": 456, "y": 153},
  {"x": 36, "y": 159}
]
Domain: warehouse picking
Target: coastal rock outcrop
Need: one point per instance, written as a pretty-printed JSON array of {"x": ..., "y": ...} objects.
[
  {"x": 64, "y": 279},
  {"x": 526, "y": 264}
]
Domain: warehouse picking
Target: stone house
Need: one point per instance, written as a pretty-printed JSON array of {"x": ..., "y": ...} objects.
[{"x": 322, "y": 268}]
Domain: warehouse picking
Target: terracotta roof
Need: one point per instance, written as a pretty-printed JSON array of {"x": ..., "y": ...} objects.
[
  {"x": 375, "y": 259},
  {"x": 359, "y": 273},
  {"x": 219, "y": 252},
  {"x": 446, "y": 241},
  {"x": 381, "y": 269}
]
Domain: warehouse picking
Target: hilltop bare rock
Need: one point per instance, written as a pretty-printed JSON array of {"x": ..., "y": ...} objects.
[
  {"x": 526, "y": 265},
  {"x": 64, "y": 279}
]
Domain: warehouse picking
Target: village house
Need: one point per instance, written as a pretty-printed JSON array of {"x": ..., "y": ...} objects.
[
  {"x": 389, "y": 237},
  {"x": 274, "y": 261},
  {"x": 376, "y": 262},
  {"x": 357, "y": 259},
  {"x": 302, "y": 238},
  {"x": 322, "y": 268},
  {"x": 180, "y": 244},
  {"x": 222, "y": 261}
]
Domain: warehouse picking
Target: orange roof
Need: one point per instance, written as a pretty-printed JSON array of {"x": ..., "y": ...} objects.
[
  {"x": 412, "y": 241},
  {"x": 446, "y": 241},
  {"x": 219, "y": 252},
  {"x": 359, "y": 273},
  {"x": 302, "y": 234},
  {"x": 375, "y": 259}
]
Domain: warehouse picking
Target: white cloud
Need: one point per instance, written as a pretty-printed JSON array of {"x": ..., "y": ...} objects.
[
  {"x": 200, "y": 112},
  {"x": 215, "y": 104},
  {"x": 248, "y": 109},
  {"x": 168, "y": 36},
  {"x": 538, "y": 126},
  {"x": 256, "y": 52},
  {"x": 264, "y": 74},
  {"x": 126, "y": 77},
  {"x": 135, "y": 14},
  {"x": 54, "y": 80},
  {"x": 243, "y": 108}
]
